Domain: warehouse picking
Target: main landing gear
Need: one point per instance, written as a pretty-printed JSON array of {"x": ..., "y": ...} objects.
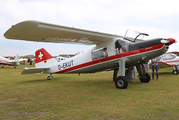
[
  {"x": 121, "y": 82},
  {"x": 175, "y": 70},
  {"x": 49, "y": 77},
  {"x": 144, "y": 78}
]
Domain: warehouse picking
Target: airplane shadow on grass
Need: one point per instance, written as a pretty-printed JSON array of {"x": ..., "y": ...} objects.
[
  {"x": 38, "y": 80},
  {"x": 164, "y": 73},
  {"x": 88, "y": 82}
]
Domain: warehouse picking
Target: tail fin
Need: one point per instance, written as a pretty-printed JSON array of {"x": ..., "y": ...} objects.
[{"x": 43, "y": 58}]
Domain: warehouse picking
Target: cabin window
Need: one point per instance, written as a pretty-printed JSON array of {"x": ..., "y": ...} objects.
[
  {"x": 167, "y": 57},
  {"x": 99, "y": 53}
]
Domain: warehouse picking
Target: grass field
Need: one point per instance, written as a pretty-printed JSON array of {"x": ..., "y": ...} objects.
[{"x": 86, "y": 97}]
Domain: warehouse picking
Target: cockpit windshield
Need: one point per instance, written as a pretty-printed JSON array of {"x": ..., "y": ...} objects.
[{"x": 133, "y": 35}]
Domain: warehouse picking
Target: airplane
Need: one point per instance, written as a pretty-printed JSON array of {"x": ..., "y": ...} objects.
[
  {"x": 59, "y": 58},
  {"x": 65, "y": 56},
  {"x": 108, "y": 50},
  {"x": 168, "y": 60},
  {"x": 5, "y": 61}
]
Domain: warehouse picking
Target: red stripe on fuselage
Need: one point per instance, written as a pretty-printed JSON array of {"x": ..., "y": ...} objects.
[
  {"x": 171, "y": 61},
  {"x": 11, "y": 64},
  {"x": 126, "y": 54}
]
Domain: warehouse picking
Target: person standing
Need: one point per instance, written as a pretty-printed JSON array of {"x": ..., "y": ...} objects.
[
  {"x": 133, "y": 72},
  {"x": 105, "y": 52},
  {"x": 147, "y": 66},
  {"x": 155, "y": 66},
  {"x": 30, "y": 61}
]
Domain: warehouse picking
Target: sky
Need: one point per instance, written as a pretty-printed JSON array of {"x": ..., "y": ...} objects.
[{"x": 158, "y": 18}]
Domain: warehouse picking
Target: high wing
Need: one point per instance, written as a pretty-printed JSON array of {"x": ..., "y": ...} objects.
[
  {"x": 34, "y": 70},
  {"x": 44, "y": 32}
]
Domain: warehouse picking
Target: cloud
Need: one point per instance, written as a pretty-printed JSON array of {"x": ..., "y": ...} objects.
[{"x": 157, "y": 18}]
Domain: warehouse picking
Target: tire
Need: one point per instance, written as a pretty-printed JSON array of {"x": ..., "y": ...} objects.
[
  {"x": 175, "y": 72},
  {"x": 48, "y": 78},
  {"x": 121, "y": 82},
  {"x": 145, "y": 78}
]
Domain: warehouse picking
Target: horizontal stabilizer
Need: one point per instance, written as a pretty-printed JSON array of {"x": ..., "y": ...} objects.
[{"x": 34, "y": 70}]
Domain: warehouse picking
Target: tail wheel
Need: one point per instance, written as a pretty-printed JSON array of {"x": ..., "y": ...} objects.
[
  {"x": 48, "y": 78},
  {"x": 175, "y": 72},
  {"x": 145, "y": 78},
  {"x": 121, "y": 82}
]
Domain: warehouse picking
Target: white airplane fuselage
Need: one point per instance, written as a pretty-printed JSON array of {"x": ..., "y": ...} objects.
[
  {"x": 169, "y": 59},
  {"x": 84, "y": 63},
  {"x": 5, "y": 61}
]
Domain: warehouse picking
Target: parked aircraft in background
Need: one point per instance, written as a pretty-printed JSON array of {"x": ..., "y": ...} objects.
[
  {"x": 5, "y": 61},
  {"x": 168, "y": 60},
  {"x": 59, "y": 58},
  {"x": 110, "y": 51}
]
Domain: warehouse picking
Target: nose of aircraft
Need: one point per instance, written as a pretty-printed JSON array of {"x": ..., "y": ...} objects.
[{"x": 171, "y": 41}]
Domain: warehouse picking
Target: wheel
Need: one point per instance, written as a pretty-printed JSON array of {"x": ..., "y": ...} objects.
[
  {"x": 121, "y": 82},
  {"x": 48, "y": 78},
  {"x": 175, "y": 72},
  {"x": 145, "y": 78}
]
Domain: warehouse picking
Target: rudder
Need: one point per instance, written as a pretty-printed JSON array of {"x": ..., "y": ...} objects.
[{"x": 43, "y": 58}]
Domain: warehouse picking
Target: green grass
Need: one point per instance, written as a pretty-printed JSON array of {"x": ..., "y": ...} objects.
[{"x": 88, "y": 96}]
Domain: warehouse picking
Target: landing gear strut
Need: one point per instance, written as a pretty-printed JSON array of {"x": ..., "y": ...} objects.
[
  {"x": 49, "y": 77},
  {"x": 121, "y": 81}
]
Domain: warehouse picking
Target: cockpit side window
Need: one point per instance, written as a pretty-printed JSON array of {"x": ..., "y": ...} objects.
[
  {"x": 173, "y": 56},
  {"x": 121, "y": 46},
  {"x": 167, "y": 57}
]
